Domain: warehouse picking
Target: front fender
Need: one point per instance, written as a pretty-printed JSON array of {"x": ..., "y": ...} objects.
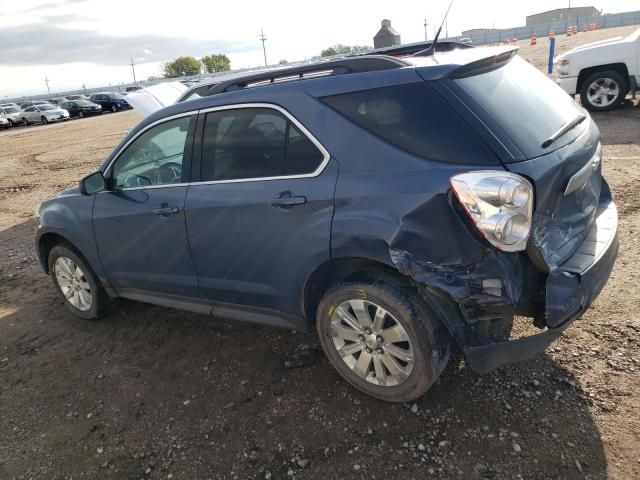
[{"x": 69, "y": 217}]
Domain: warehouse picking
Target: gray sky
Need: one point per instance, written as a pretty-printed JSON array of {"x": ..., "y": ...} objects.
[{"x": 91, "y": 41}]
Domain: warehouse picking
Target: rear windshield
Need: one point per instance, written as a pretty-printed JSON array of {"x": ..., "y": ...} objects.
[
  {"x": 526, "y": 105},
  {"x": 44, "y": 108}
]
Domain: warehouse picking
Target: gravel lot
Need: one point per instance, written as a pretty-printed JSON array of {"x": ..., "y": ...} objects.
[{"x": 156, "y": 393}]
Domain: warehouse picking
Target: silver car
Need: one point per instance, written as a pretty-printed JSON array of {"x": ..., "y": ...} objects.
[
  {"x": 44, "y": 114},
  {"x": 4, "y": 123},
  {"x": 12, "y": 114}
]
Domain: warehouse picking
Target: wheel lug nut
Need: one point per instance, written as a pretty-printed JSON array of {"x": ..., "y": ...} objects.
[
  {"x": 368, "y": 350},
  {"x": 361, "y": 338},
  {"x": 367, "y": 331},
  {"x": 379, "y": 350},
  {"x": 380, "y": 339}
]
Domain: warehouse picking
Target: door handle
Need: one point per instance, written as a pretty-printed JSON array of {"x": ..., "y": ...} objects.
[
  {"x": 165, "y": 210},
  {"x": 288, "y": 200}
]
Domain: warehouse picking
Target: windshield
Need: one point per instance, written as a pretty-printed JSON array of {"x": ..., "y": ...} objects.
[
  {"x": 83, "y": 103},
  {"x": 11, "y": 110},
  {"x": 44, "y": 108},
  {"x": 528, "y": 106},
  {"x": 115, "y": 95}
]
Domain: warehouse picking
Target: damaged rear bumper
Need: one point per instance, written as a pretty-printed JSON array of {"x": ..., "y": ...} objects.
[{"x": 577, "y": 282}]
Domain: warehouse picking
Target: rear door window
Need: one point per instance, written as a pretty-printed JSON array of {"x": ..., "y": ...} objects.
[
  {"x": 253, "y": 143},
  {"x": 414, "y": 118},
  {"x": 525, "y": 104}
]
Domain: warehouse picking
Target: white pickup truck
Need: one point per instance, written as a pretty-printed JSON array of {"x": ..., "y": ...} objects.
[{"x": 601, "y": 72}]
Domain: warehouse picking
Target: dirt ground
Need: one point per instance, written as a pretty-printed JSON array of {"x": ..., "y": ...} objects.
[{"x": 149, "y": 392}]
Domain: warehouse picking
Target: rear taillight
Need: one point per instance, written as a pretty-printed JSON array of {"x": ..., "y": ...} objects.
[{"x": 499, "y": 203}]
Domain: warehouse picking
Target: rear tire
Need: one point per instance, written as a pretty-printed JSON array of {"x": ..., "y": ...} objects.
[
  {"x": 114, "y": 108},
  {"x": 396, "y": 358},
  {"x": 25, "y": 122},
  {"x": 81, "y": 114},
  {"x": 77, "y": 285},
  {"x": 603, "y": 91},
  {"x": 44, "y": 120}
]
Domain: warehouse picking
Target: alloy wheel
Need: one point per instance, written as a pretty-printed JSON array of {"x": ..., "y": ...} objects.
[
  {"x": 372, "y": 343},
  {"x": 73, "y": 283},
  {"x": 603, "y": 92}
]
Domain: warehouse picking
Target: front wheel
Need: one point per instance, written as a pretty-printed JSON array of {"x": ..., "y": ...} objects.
[
  {"x": 77, "y": 284},
  {"x": 114, "y": 108},
  {"x": 603, "y": 91},
  {"x": 381, "y": 340},
  {"x": 44, "y": 120},
  {"x": 25, "y": 122},
  {"x": 11, "y": 123},
  {"x": 81, "y": 114}
]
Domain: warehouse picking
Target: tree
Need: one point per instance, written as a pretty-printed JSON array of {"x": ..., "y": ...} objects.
[
  {"x": 340, "y": 49},
  {"x": 216, "y": 63},
  {"x": 181, "y": 67}
]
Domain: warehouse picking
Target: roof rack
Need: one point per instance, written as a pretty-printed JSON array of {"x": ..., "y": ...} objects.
[
  {"x": 341, "y": 66},
  {"x": 411, "y": 48}
]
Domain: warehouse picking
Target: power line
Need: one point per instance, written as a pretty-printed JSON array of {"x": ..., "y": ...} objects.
[
  {"x": 426, "y": 35},
  {"x": 264, "y": 51}
]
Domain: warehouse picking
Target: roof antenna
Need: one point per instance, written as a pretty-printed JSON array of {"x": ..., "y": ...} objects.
[{"x": 431, "y": 49}]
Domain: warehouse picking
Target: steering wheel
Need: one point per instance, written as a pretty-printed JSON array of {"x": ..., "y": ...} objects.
[{"x": 170, "y": 172}]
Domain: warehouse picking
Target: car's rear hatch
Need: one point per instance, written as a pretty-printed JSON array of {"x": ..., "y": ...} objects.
[{"x": 523, "y": 109}]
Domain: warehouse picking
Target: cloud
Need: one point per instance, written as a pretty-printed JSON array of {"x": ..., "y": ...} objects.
[
  {"x": 47, "y": 43},
  {"x": 48, "y": 5}
]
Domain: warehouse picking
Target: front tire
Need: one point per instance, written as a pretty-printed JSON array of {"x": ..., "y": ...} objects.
[
  {"x": 43, "y": 120},
  {"x": 25, "y": 122},
  {"x": 381, "y": 340},
  {"x": 77, "y": 285},
  {"x": 11, "y": 125},
  {"x": 114, "y": 108},
  {"x": 603, "y": 91}
]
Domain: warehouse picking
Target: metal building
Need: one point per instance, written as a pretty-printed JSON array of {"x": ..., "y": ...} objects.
[
  {"x": 387, "y": 36},
  {"x": 560, "y": 14}
]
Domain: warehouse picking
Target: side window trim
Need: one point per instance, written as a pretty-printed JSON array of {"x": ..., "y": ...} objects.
[
  {"x": 291, "y": 119},
  {"x": 187, "y": 160}
]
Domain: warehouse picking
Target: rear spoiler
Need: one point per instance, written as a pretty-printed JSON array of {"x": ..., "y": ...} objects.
[{"x": 484, "y": 65}]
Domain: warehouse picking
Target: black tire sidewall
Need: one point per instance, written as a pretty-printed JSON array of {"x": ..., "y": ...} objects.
[
  {"x": 65, "y": 251},
  {"x": 44, "y": 120},
  {"x": 615, "y": 76},
  {"x": 420, "y": 328},
  {"x": 114, "y": 108}
]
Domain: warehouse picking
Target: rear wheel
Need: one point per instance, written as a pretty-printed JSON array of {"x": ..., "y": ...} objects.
[
  {"x": 603, "y": 91},
  {"x": 81, "y": 114},
  {"x": 381, "y": 340},
  {"x": 77, "y": 284},
  {"x": 44, "y": 120},
  {"x": 114, "y": 108},
  {"x": 25, "y": 122}
]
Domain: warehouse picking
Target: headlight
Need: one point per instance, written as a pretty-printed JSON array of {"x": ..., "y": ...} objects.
[
  {"x": 499, "y": 203},
  {"x": 563, "y": 66}
]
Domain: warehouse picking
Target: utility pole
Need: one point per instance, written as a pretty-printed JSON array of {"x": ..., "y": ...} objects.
[
  {"x": 84, "y": 87},
  {"x": 264, "y": 51},
  {"x": 426, "y": 35},
  {"x": 133, "y": 68},
  {"x": 446, "y": 29},
  {"x": 46, "y": 80}
]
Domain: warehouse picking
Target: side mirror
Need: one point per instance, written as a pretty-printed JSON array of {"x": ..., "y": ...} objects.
[{"x": 93, "y": 183}]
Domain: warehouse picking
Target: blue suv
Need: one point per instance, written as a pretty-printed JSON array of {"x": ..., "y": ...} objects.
[{"x": 399, "y": 206}]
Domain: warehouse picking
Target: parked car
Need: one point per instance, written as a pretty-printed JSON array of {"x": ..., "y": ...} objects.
[
  {"x": 30, "y": 103},
  {"x": 57, "y": 101},
  {"x": 4, "y": 123},
  {"x": 110, "y": 101},
  {"x": 77, "y": 97},
  {"x": 43, "y": 114},
  {"x": 397, "y": 206},
  {"x": 7, "y": 105},
  {"x": 12, "y": 114},
  {"x": 132, "y": 88},
  {"x": 81, "y": 108},
  {"x": 602, "y": 73},
  {"x": 466, "y": 41}
]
